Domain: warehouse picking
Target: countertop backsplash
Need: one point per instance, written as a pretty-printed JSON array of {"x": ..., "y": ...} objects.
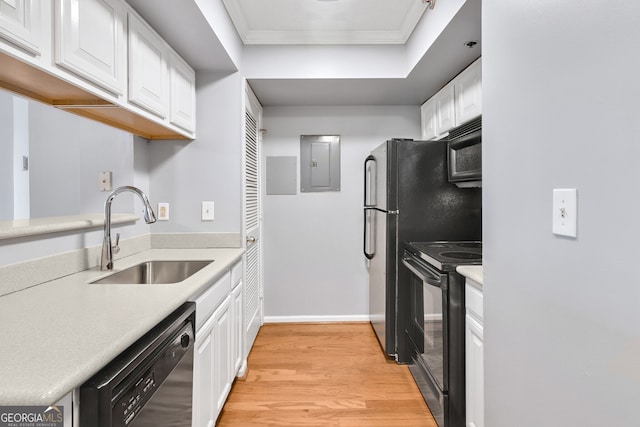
[{"x": 18, "y": 276}]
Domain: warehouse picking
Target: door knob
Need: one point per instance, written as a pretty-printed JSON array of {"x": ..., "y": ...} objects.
[{"x": 251, "y": 239}]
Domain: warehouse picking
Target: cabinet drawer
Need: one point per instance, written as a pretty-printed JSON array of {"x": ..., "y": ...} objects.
[
  {"x": 207, "y": 303},
  {"x": 474, "y": 299}
]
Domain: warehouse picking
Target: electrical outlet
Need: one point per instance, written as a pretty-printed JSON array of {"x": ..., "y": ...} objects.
[
  {"x": 105, "y": 180},
  {"x": 565, "y": 212},
  {"x": 207, "y": 211},
  {"x": 163, "y": 211}
]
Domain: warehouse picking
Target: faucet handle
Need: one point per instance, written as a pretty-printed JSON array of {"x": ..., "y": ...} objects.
[{"x": 115, "y": 248}]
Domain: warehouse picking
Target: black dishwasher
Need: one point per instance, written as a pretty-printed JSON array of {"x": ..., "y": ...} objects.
[{"x": 150, "y": 383}]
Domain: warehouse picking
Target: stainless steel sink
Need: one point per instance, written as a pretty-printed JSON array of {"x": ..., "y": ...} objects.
[{"x": 154, "y": 272}]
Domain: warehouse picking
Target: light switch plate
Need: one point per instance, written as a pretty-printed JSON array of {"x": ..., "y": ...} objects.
[
  {"x": 565, "y": 212},
  {"x": 207, "y": 211},
  {"x": 163, "y": 211}
]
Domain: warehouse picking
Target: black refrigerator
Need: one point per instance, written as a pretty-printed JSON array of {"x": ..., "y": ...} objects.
[{"x": 407, "y": 197}]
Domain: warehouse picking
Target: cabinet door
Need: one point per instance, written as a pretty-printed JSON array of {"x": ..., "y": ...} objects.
[
  {"x": 237, "y": 329},
  {"x": 474, "y": 347},
  {"x": 90, "y": 41},
  {"x": 222, "y": 348},
  {"x": 148, "y": 68},
  {"x": 468, "y": 92},
  {"x": 445, "y": 111},
  {"x": 183, "y": 94},
  {"x": 19, "y": 24},
  {"x": 428, "y": 119},
  {"x": 203, "y": 364}
]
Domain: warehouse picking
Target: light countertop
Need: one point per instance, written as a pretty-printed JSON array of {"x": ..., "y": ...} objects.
[
  {"x": 56, "y": 335},
  {"x": 473, "y": 272}
]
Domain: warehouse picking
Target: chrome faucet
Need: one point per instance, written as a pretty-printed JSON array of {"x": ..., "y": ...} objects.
[{"x": 106, "y": 260}]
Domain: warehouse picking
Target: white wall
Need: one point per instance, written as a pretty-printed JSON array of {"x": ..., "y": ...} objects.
[
  {"x": 313, "y": 262},
  {"x": 560, "y": 90},
  {"x": 324, "y": 61},
  {"x": 67, "y": 152},
  {"x": 350, "y": 61},
  {"x": 179, "y": 172},
  {"x": 216, "y": 14},
  {"x": 429, "y": 28},
  {"x": 6, "y": 156},
  {"x": 21, "y": 177},
  {"x": 185, "y": 174}
]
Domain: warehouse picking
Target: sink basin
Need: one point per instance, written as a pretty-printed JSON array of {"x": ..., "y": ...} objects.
[{"x": 154, "y": 272}]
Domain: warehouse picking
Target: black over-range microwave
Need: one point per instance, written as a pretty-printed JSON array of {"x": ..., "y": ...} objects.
[{"x": 464, "y": 152}]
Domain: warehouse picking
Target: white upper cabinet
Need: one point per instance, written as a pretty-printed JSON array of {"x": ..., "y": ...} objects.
[
  {"x": 159, "y": 80},
  {"x": 468, "y": 92},
  {"x": 148, "y": 68},
  {"x": 445, "y": 111},
  {"x": 438, "y": 113},
  {"x": 428, "y": 116},
  {"x": 456, "y": 103},
  {"x": 90, "y": 41},
  {"x": 20, "y": 25},
  {"x": 183, "y": 94}
]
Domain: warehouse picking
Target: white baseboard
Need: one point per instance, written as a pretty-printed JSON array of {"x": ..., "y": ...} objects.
[{"x": 316, "y": 319}]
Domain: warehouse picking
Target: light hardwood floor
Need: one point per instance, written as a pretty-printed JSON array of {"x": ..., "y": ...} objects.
[{"x": 323, "y": 375}]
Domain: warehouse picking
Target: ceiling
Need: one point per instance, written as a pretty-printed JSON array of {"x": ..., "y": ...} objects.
[
  {"x": 325, "y": 21},
  {"x": 183, "y": 25},
  {"x": 445, "y": 58}
]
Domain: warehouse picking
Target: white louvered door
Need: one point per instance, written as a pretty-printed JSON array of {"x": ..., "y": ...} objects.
[{"x": 252, "y": 219}]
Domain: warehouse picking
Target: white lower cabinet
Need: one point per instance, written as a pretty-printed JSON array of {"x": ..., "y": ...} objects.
[
  {"x": 69, "y": 411},
  {"x": 222, "y": 350},
  {"x": 203, "y": 408},
  {"x": 218, "y": 351},
  {"x": 236, "y": 329},
  {"x": 474, "y": 347}
]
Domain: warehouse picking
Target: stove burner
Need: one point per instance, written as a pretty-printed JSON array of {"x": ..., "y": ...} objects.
[
  {"x": 469, "y": 245},
  {"x": 461, "y": 255},
  {"x": 447, "y": 255}
]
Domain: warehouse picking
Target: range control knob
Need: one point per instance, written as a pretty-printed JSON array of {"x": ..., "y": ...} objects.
[{"x": 185, "y": 339}]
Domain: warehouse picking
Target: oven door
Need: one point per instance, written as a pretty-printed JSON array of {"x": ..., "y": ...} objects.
[{"x": 429, "y": 319}]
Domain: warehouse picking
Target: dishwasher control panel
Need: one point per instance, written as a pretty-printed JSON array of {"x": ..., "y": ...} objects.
[{"x": 132, "y": 402}]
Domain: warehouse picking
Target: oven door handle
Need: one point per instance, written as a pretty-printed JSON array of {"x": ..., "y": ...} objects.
[{"x": 424, "y": 272}]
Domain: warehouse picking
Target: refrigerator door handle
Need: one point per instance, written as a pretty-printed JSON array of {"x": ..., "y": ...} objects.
[
  {"x": 367, "y": 188},
  {"x": 368, "y": 255}
]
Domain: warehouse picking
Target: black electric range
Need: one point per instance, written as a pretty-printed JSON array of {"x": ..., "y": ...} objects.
[
  {"x": 434, "y": 327},
  {"x": 446, "y": 256}
]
